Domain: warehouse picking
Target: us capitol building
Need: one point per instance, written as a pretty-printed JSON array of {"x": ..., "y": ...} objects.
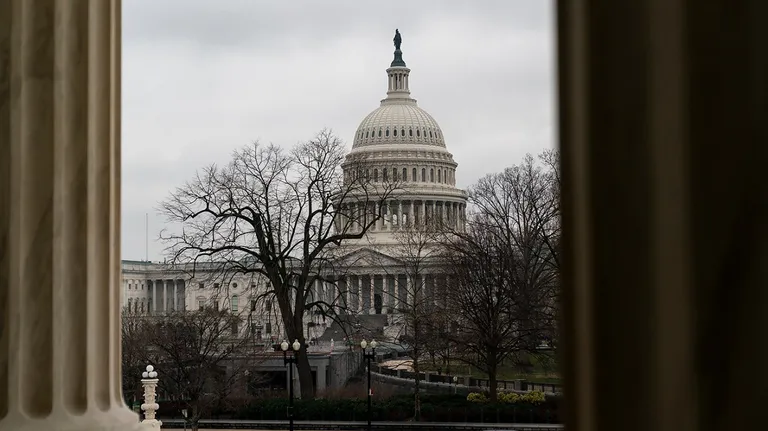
[{"x": 398, "y": 141}]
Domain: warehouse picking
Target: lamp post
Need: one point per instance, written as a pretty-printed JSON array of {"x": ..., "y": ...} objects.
[
  {"x": 289, "y": 361},
  {"x": 369, "y": 357},
  {"x": 455, "y": 383},
  {"x": 149, "y": 381}
]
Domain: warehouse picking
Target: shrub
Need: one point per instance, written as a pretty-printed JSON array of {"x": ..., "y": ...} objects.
[{"x": 477, "y": 397}]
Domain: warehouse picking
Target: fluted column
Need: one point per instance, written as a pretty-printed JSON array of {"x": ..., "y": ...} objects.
[
  {"x": 411, "y": 215},
  {"x": 60, "y": 217},
  {"x": 423, "y": 212},
  {"x": 389, "y": 216},
  {"x": 399, "y": 213},
  {"x": 359, "y": 284}
]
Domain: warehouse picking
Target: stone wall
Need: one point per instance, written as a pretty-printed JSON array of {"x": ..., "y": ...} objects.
[{"x": 343, "y": 365}]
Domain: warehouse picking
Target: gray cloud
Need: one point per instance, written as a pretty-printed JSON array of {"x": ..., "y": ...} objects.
[{"x": 202, "y": 78}]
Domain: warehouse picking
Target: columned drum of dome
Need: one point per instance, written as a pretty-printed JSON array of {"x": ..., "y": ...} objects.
[{"x": 400, "y": 142}]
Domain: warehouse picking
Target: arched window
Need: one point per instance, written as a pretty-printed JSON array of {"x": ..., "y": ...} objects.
[
  {"x": 394, "y": 174},
  {"x": 395, "y": 132},
  {"x": 413, "y": 174},
  {"x": 367, "y": 174},
  {"x": 431, "y": 175},
  {"x": 379, "y": 133},
  {"x": 410, "y": 132},
  {"x": 235, "y": 303},
  {"x": 384, "y": 175},
  {"x": 386, "y": 133},
  {"x": 375, "y": 175},
  {"x": 405, "y": 174},
  {"x": 402, "y": 131},
  {"x": 366, "y": 133},
  {"x": 423, "y": 175},
  {"x": 418, "y": 134},
  {"x": 439, "y": 175}
]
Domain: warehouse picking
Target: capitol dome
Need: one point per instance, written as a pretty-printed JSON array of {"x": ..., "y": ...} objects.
[
  {"x": 401, "y": 122},
  {"x": 399, "y": 142}
]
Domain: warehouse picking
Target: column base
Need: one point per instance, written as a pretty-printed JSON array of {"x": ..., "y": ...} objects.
[
  {"x": 116, "y": 419},
  {"x": 151, "y": 424}
]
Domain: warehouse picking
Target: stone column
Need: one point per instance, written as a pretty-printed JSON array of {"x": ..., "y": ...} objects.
[
  {"x": 165, "y": 296},
  {"x": 423, "y": 212},
  {"x": 378, "y": 221},
  {"x": 359, "y": 283},
  {"x": 412, "y": 215},
  {"x": 399, "y": 213},
  {"x": 388, "y": 220},
  {"x": 175, "y": 301},
  {"x": 60, "y": 217},
  {"x": 371, "y": 294}
]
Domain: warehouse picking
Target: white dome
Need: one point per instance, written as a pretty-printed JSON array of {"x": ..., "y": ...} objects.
[{"x": 398, "y": 122}]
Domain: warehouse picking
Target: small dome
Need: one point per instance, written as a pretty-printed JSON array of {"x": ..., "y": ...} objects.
[{"x": 398, "y": 123}]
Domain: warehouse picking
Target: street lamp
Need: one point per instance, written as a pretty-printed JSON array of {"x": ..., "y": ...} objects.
[
  {"x": 369, "y": 357},
  {"x": 289, "y": 361},
  {"x": 455, "y": 383}
]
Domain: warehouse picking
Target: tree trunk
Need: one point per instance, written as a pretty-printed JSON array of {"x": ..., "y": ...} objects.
[
  {"x": 416, "y": 387},
  {"x": 492, "y": 385},
  {"x": 305, "y": 373}
]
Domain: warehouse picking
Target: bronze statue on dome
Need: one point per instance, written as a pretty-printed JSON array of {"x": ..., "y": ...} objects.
[{"x": 398, "y": 40}]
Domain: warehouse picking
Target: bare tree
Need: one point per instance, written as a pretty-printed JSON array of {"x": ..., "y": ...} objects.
[
  {"x": 417, "y": 303},
  {"x": 200, "y": 356},
  {"x": 134, "y": 353},
  {"x": 281, "y": 214},
  {"x": 506, "y": 267}
]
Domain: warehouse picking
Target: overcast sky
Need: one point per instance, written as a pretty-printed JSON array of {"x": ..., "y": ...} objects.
[{"x": 203, "y": 77}]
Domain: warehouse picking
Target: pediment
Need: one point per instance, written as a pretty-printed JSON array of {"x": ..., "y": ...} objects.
[{"x": 366, "y": 256}]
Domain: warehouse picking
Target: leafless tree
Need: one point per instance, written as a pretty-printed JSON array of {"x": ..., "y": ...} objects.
[
  {"x": 199, "y": 356},
  {"x": 134, "y": 353},
  {"x": 418, "y": 305},
  {"x": 282, "y": 214},
  {"x": 506, "y": 266}
]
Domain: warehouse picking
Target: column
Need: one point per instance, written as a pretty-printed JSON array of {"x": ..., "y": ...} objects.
[
  {"x": 359, "y": 284},
  {"x": 388, "y": 220},
  {"x": 165, "y": 296},
  {"x": 412, "y": 215},
  {"x": 379, "y": 221},
  {"x": 423, "y": 212},
  {"x": 175, "y": 301},
  {"x": 371, "y": 294},
  {"x": 60, "y": 217},
  {"x": 410, "y": 290},
  {"x": 399, "y": 213}
]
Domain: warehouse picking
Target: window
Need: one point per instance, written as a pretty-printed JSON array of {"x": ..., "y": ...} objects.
[
  {"x": 413, "y": 174},
  {"x": 386, "y": 133},
  {"x": 418, "y": 134},
  {"x": 234, "y": 285},
  {"x": 375, "y": 175},
  {"x": 201, "y": 286},
  {"x": 402, "y": 132},
  {"x": 200, "y": 304},
  {"x": 384, "y": 175},
  {"x": 394, "y": 174},
  {"x": 379, "y": 133},
  {"x": 216, "y": 285},
  {"x": 405, "y": 174},
  {"x": 439, "y": 176},
  {"x": 432, "y": 175},
  {"x": 423, "y": 175},
  {"x": 395, "y": 132},
  {"x": 235, "y": 303},
  {"x": 234, "y": 327},
  {"x": 410, "y": 132},
  {"x": 366, "y": 134}
]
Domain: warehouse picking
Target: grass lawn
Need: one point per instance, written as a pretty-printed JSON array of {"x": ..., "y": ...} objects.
[{"x": 542, "y": 369}]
